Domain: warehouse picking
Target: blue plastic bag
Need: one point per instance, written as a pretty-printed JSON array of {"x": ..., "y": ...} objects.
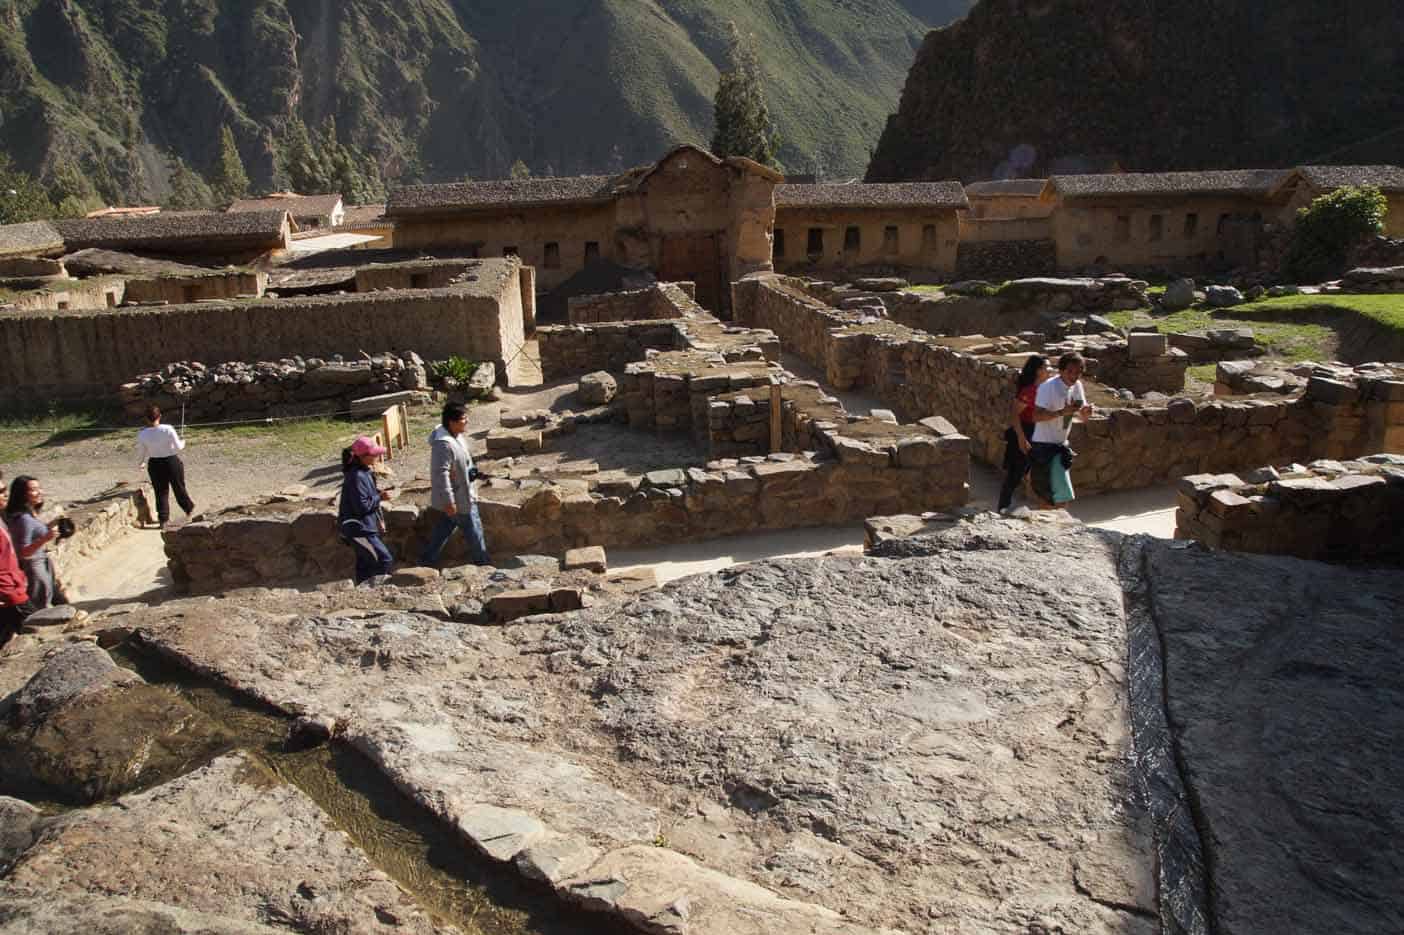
[{"x": 1060, "y": 481}]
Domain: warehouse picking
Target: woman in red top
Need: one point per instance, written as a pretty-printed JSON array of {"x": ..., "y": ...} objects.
[
  {"x": 1021, "y": 425},
  {"x": 14, "y": 587}
]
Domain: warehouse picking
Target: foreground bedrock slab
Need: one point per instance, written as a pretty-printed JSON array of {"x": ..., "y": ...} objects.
[
  {"x": 228, "y": 840},
  {"x": 1284, "y": 694},
  {"x": 114, "y": 915},
  {"x": 933, "y": 740}
]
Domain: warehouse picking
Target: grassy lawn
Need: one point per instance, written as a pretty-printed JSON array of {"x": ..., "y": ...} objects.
[
  {"x": 21, "y": 433},
  {"x": 1272, "y": 320}
]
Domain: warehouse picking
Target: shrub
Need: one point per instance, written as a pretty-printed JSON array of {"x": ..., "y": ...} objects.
[
  {"x": 455, "y": 368},
  {"x": 1328, "y": 228}
]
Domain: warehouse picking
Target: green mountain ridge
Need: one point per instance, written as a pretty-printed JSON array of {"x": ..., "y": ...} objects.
[{"x": 429, "y": 90}]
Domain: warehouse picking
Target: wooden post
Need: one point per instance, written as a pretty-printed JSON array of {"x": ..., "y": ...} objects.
[{"x": 776, "y": 431}]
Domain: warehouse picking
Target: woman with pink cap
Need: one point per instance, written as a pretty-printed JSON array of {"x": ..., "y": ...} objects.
[{"x": 358, "y": 518}]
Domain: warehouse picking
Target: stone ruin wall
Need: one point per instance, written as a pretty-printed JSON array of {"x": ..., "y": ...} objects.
[
  {"x": 69, "y": 355},
  {"x": 177, "y": 290},
  {"x": 666, "y": 300},
  {"x": 999, "y": 260},
  {"x": 571, "y": 350},
  {"x": 1119, "y": 448},
  {"x": 1326, "y": 511},
  {"x": 289, "y": 387}
]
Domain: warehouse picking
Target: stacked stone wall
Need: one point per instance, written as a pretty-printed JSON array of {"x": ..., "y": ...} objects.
[
  {"x": 1121, "y": 447},
  {"x": 662, "y": 301},
  {"x": 998, "y": 260},
  {"x": 571, "y": 350},
  {"x": 74, "y": 354},
  {"x": 1328, "y": 511}
]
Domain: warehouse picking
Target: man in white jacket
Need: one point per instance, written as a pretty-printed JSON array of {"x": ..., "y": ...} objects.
[{"x": 451, "y": 475}]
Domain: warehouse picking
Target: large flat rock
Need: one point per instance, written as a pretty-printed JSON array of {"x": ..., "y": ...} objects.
[
  {"x": 229, "y": 841},
  {"x": 931, "y": 740},
  {"x": 1287, "y": 707}
]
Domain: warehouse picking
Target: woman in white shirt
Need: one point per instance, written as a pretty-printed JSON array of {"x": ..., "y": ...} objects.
[{"x": 159, "y": 446}]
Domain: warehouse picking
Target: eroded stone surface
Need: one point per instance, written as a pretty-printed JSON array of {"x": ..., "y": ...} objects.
[
  {"x": 229, "y": 840},
  {"x": 925, "y": 741},
  {"x": 95, "y": 914},
  {"x": 1286, "y": 704}
]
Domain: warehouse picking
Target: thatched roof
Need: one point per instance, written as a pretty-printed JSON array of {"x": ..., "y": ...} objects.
[
  {"x": 881, "y": 195},
  {"x": 180, "y": 232},
  {"x": 299, "y": 206},
  {"x": 502, "y": 193},
  {"x": 33, "y": 237},
  {"x": 1023, "y": 188},
  {"x": 1329, "y": 178}
]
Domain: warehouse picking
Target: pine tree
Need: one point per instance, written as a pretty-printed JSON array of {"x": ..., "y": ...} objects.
[
  {"x": 520, "y": 170},
  {"x": 742, "y": 120},
  {"x": 188, "y": 191},
  {"x": 230, "y": 181},
  {"x": 21, "y": 197}
]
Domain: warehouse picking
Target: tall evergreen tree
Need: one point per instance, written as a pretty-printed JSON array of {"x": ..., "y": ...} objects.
[
  {"x": 188, "y": 191},
  {"x": 742, "y": 120},
  {"x": 72, "y": 192},
  {"x": 520, "y": 170},
  {"x": 21, "y": 197},
  {"x": 230, "y": 181}
]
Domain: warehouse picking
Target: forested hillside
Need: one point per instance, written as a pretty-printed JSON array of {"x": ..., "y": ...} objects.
[{"x": 356, "y": 94}]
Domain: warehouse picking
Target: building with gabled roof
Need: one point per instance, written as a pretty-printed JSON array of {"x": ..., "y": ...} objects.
[
  {"x": 193, "y": 233},
  {"x": 32, "y": 238},
  {"x": 1300, "y": 186},
  {"x": 309, "y": 212}
]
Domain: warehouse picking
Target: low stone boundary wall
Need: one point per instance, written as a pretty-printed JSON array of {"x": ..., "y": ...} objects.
[
  {"x": 293, "y": 541},
  {"x": 1330, "y": 511},
  {"x": 415, "y": 274},
  {"x": 179, "y": 289},
  {"x": 68, "y": 354},
  {"x": 289, "y": 387},
  {"x": 101, "y": 519},
  {"x": 662, "y": 301},
  {"x": 1124, "y": 445}
]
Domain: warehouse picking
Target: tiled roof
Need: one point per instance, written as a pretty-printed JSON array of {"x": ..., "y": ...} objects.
[
  {"x": 31, "y": 237},
  {"x": 1228, "y": 181},
  {"x": 881, "y": 195},
  {"x": 421, "y": 199},
  {"x": 1030, "y": 188},
  {"x": 299, "y": 206},
  {"x": 1385, "y": 178},
  {"x": 170, "y": 228},
  {"x": 364, "y": 215}
]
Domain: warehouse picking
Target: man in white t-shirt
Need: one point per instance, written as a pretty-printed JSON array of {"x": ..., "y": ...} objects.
[{"x": 1058, "y": 402}]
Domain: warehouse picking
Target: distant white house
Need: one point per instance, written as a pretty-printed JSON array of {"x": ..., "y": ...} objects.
[{"x": 309, "y": 212}]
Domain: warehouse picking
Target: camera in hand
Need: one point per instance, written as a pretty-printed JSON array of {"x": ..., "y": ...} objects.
[{"x": 65, "y": 527}]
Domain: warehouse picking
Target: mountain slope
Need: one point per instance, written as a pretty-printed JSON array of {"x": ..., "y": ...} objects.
[
  {"x": 430, "y": 89},
  {"x": 1020, "y": 87}
]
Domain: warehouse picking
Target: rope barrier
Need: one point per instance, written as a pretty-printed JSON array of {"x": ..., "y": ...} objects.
[{"x": 266, "y": 420}]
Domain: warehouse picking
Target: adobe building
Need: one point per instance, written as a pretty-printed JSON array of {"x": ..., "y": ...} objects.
[
  {"x": 30, "y": 239},
  {"x": 1004, "y": 199},
  {"x": 238, "y": 237},
  {"x": 848, "y": 226},
  {"x": 309, "y": 212},
  {"x": 1135, "y": 220},
  {"x": 688, "y": 217},
  {"x": 1298, "y": 187}
]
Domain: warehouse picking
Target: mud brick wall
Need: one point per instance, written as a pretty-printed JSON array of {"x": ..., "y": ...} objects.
[
  {"x": 70, "y": 354},
  {"x": 424, "y": 274},
  {"x": 666, "y": 301},
  {"x": 178, "y": 289},
  {"x": 1328, "y": 511}
]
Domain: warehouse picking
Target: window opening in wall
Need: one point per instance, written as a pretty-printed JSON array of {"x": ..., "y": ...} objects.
[
  {"x": 510, "y": 251},
  {"x": 815, "y": 246},
  {"x": 551, "y": 259},
  {"x": 1223, "y": 223},
  {"x": 1157, "y": 227},
  {"x": 592, "y": 251},
  {"x": 1191, "y": 225},
  {"x": 779, "y": 249},
  {"x": 890, "y": 239},
  {"x": 928, "y": 236},
  {"x": 419, "y": 280},
  {"x": 1123, "y": 228},
  {"x": 852, "y": 239},
  {"x": 111, "y": 300}
]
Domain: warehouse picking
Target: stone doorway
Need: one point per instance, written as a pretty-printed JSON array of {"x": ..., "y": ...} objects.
[{"x": 694, "y": 258}]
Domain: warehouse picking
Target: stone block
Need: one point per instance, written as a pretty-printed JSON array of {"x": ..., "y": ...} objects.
[
  {"x": 852, "y": 451},
  {"x": 1146, "y": 345},
  {"x": 917, "y": 452},
  {"x": 566, "y": 599},
  {"x": 1228, "y": 504},
  {"x": 939, "y": 425},
  {"x": 1333, "y": 392},
  {"x": 672, "y": 477},
  {"x": 590, "y": 558},
  {"x": 883, "y": 415},
  {"x": 509, "y": 605}
]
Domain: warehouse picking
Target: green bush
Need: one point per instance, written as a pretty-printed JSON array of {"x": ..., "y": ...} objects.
[
  {"x": 1328, "y": 228},
  {"x": 454, "y": 368}
]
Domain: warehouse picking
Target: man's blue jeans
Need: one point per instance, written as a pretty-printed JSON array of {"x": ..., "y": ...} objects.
[{"x": 472, "y": 526}]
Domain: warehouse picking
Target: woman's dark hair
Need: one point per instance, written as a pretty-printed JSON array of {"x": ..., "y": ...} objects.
[
  {"x": 348, "y": 459},
  {"x": 454, "y": 412},
  {"x": 19, "y": 495},
  {"x": 153, "y": 412},
  {"x": 1032, "y": 368}
]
